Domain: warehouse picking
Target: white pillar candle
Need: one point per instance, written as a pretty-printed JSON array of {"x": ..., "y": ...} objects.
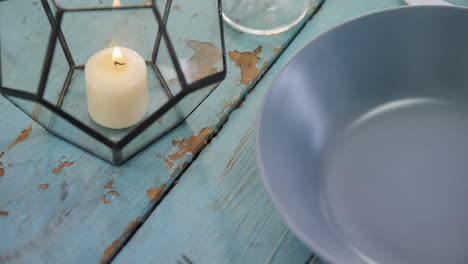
[{"x": 116, "y": 87}]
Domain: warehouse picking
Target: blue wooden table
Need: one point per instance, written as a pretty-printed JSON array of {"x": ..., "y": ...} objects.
[{"x": 193, "y": 195}]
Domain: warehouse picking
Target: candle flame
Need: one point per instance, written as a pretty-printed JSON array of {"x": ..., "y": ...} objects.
[
  {"x": 117, "y": 54},
  {"x": 116, "y": 3}
]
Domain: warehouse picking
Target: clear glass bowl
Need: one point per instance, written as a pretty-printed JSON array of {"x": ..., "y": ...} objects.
[{"x": 264, "y": 17}]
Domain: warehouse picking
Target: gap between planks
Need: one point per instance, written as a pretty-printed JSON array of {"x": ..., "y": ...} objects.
[{"x": 214, "y": 134}]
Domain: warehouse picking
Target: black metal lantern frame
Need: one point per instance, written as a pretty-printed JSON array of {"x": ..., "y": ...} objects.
[{"x": 114, "y": 145}]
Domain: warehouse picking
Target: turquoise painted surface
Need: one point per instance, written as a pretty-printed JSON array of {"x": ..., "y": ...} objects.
[
  {"x": 219, "y": 212},
  {"x": 69, "y": 222},
  {"x": 76, "y": 218}
]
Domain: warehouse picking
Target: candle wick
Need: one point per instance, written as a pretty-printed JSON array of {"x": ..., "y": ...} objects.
[{"x": 118, "y": 63}]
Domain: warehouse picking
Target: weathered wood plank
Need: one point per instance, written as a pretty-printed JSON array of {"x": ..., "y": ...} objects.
[
  {"x": 79, "y": 217},
  {"x": 219, "y": 212},
  {"x": 314, "y": 259}
]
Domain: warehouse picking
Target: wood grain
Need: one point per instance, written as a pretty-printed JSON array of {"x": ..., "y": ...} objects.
[
  {"x": 219, "y": 211},
  {"x": 76, "y": 219},
  {"x": 230, "y": 218}
]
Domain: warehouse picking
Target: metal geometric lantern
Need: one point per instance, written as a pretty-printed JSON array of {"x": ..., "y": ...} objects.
[{"x": 44, "y": 47}]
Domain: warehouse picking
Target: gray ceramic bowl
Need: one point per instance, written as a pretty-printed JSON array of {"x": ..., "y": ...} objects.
[{"x": 362, "y": 142}]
